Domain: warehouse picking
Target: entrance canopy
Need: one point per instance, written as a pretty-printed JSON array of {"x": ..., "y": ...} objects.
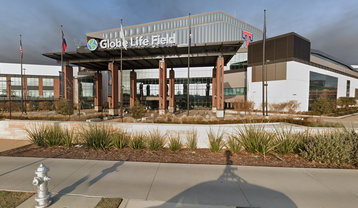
[{"x": 201, "y": 54}]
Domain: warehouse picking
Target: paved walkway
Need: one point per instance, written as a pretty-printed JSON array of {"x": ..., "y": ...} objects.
[
  {"x": 81, "y": 183},
  {"x": 7, "y": 144}
]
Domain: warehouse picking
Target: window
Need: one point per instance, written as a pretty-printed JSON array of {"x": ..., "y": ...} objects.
[
  {"x": 348, "y": 88},
  {"x": 235, "y": 91},
  {"x": 15, "y": 81},
  {"x": 48, "y": 93},
  {"x": 33, "y": 93},
  {"x": 87, "y": 89},
  {"x": 32, "y": 81},
  {"x": 321, "y": 84},
  {"x": 15, "y": 93},
  {"x": 47, "y": 82},
  {"x": 3, "y": 87}
]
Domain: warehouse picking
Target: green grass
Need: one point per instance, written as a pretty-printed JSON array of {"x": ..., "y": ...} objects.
[
  {"x": 216, "y": 140},
  {"x": 120, "y": 139},
  {"x": 96, "y": 137},
  {"x": 233, "y": 144},
  {"x": 192, "y": 140},
  {"x": 109, "y": 203},
  {"x": 137, "y": 141},
  {"x": 174, "y": 143},
  {"x": 13, "y": 199},
  {"x": 256, "y": 140},
  {"x": 155, "y": 140}
]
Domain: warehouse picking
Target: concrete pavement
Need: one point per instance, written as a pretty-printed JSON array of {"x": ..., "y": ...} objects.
[
  {"x": 7, "y": 144},
  {"x": 81, "y": 183}
]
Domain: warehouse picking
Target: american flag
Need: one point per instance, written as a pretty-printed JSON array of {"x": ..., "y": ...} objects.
[
  {"x": 64, "y": 44},
  {"x": 22, "y": 54}
]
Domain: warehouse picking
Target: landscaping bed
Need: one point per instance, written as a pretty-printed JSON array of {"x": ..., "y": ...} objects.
[{"x": 200, "y": 156}]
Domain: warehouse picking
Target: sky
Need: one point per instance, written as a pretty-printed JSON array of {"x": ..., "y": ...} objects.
[{"x": 330, "y": 25}]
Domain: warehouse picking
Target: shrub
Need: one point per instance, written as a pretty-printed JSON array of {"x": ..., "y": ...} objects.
[
  {"x": 156, "y": 140},
  {"x": 64, "y": 107},
  {"x": 285, "y": 141},
  {"x": 331, "y": 148},
  {"x": 52, "y": 136},
  {"x": 96, "y": 137},
  {"x": 174, "y": 143},
  {"x": 137, "y": 110},
  {"x": 36, "y": 134},
  {"x": 137, "y": 140},
  {"x": 256, "y": 139},
  {"x": 68, "y": 137},
  {"x": 323, "y": 105},
  {"x": 120, "y": 139},
  {"x": 216, "y": 140},
  {"x": 233, "y": 144},
  {"x": 243, "y": 105},
  {"x": 192, "y": 139}
]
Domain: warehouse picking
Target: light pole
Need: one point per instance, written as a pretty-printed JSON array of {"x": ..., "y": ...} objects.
[
  {"x": 25, "y": 93},
  {"x": 10, "y": 97}
]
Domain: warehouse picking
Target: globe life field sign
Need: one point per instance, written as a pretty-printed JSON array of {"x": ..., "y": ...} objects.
[{"x": 156, "y": 40}]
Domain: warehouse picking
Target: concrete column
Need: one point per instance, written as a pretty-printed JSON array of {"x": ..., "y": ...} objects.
[
  {"x": 213, "y": 101},
  {"x": 68, "y": 83},
  {"x": 220, "y": 88},
  {"x": 98, "y": 86},
  {"x": 113, "y": 96},
  {"x": 171, "y": 91},
  {"x": 133, "y": 88},
  {"x": 162, "y": 87}
]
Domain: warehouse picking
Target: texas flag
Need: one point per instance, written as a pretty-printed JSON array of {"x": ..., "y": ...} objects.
[
  {"x": 22, "y": 54},
  {"x": 64, "y": 44}
]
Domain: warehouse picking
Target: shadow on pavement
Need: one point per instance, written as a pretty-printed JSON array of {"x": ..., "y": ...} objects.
[
  {"x": 230, "y": 190},
  {"x": 69, "y": 189}
]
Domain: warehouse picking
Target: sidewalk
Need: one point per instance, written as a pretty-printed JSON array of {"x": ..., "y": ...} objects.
[
  {"x": 81, "y": 183},
  {"x": 7, "y": 144}
]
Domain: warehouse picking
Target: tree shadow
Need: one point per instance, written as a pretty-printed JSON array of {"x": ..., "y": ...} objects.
[{"x": 229, "y": 190}]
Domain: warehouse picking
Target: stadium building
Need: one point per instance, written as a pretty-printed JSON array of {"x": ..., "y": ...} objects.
[{"x": 225, "y": 59}]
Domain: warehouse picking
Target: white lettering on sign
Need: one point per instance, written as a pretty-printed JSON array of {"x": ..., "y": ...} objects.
[{"x": 157, "y": 40}]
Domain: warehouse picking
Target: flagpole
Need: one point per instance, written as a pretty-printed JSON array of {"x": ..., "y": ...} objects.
[
  {"x": 263, "y": 66},
  {"x": 22, "y": 86},
  {"x": 188, "y": 81},
  {"x": 266, "y": 70},
  {"x": 62, "y": 77},
  {"x": 121, "y": 87}
]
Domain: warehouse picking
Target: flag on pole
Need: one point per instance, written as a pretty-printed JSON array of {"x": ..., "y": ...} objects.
[
  {"x": 64, "y": 44},
  {"x": 122, "y": 37},
  {"x": 22, "y": 54}
]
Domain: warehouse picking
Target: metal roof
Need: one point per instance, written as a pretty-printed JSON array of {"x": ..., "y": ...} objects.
[{"x": 201, "y": 54}]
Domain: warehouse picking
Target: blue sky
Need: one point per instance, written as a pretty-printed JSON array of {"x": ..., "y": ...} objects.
[{"x": 332, "y": 26}]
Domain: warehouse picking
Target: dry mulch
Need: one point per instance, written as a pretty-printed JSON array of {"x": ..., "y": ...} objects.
[{"x": 200, "y": 156}]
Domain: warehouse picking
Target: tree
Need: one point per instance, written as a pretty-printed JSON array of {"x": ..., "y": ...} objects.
[
  {"x": 64, "y": 107},
  {"x": 137, "y": 110},
  {"x": 323, "y": 105}
]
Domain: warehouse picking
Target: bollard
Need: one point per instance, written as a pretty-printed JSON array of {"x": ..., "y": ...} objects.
[{"x": 41, "y": 181}]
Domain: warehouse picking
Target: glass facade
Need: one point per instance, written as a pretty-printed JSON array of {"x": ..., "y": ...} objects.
[
  {"x": 235, "y": 91},
  {"x": 33, "y": 93},
  {"x": 47, "y": 82},
  {"x": 32, "y": 81},
  {"x": 86, "y": 96},
  {"x": 15, "y": 93},
  {"x": 15, "y": 81},
  {"x": 3, "y": 87},
  {"x": 48, "y": 93},
  {"x": 322, "y": 84},
  {"x": 148, "y": 86}
]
